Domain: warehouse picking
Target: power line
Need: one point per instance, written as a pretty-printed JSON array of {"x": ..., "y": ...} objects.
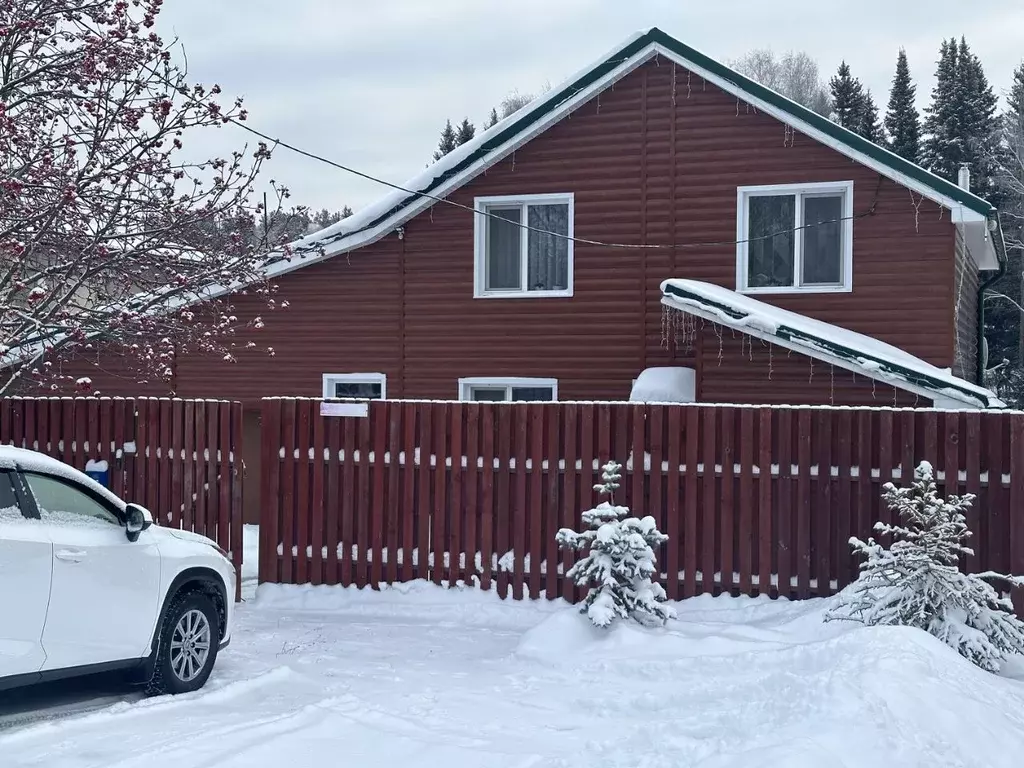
[{"x": 478, "y": 212}]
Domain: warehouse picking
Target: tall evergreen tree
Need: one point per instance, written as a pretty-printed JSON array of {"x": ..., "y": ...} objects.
[
  {"x": 847, "y": 98},
  {"x": 448, "y": 141},
  {"x": 902, "y": 120},
  {"x": 868, "y": 124},
  {"x": 466, "y": 132},
  {"x": 942, "y": 150},
  {"x": 979, "y": 123}
]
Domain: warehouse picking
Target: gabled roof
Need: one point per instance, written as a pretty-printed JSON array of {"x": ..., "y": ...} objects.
[
  {"x": 466, "y": 162},
  {"x": 829, "y": 343}
]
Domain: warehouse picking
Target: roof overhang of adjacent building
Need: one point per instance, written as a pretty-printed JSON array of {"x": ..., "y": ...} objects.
[
  {"x": 829, "y": 343},
  {"x": 975, "y": 215}
]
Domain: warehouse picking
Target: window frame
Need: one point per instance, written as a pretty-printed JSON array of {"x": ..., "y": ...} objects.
[
  {"x": 508, "y": 382},
  {"x": 800, "y": 191},
  {"x": 481, "y": 205},
  {"x": 29, "y": 495},
  {"x": 330, "y": 379}
]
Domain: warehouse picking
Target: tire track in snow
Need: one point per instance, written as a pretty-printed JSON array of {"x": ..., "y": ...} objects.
[{"x": 123, "y": 710}]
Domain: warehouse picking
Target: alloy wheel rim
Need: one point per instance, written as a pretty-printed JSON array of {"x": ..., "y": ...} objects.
[{"x": 190, "y": 645}]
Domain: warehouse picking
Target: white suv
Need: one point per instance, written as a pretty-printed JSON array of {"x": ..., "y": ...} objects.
[{"x": 88, "y": 584}]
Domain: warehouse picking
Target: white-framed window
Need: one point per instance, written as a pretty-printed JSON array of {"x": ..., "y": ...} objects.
[
  {"x": 362, "y": 386},
  {"x": 795, "y": 238},
  {"x": 485, "y": 389},
  {"x": 514, "y": 258}
]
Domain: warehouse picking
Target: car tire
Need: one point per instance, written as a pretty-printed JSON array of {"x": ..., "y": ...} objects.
[{"x": 187, "y": 647}]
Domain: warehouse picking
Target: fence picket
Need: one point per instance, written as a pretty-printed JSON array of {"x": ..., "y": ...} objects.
[{"x": 535, "y": 505}]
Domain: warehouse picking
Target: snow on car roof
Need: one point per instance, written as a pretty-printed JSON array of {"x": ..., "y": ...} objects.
[
  {"x": 863, "y": 354},
  {"x": 33, "y": 461}
]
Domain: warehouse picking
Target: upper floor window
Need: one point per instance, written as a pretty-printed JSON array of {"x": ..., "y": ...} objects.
[
  {"x": 795, "y": 237},
  {"x": 362, "y": 386},
  {"x": 523, "y": 246},
  {"x": 504, "y": 390}
]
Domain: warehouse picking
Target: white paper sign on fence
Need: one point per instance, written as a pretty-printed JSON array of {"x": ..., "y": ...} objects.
[{"x": 357, "y": 410}]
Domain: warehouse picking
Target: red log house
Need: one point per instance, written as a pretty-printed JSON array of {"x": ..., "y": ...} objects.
[{"x": 528, "y": 263}]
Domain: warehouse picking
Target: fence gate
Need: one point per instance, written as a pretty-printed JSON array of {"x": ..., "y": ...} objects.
[
  {"x": 755, "y": 500},
  {"x": 181, "y": 459}
]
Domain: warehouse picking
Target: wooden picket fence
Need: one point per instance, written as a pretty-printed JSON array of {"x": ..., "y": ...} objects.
[
  {"x": 754, "y": 500},
  {"x": 181, "y": 459}
]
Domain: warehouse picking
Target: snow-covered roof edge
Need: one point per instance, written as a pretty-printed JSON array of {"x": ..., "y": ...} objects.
[
  {"x": 823, "y": 341},
  {"x": 467, "y": 161}
]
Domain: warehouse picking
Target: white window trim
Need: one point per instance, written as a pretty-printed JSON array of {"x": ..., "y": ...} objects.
[
  {"x": 480, "y": 245},
  {"x": 330, "y": 379},
  {"x": 508, "y": 382},
  {"x": 743, "y": 194}
]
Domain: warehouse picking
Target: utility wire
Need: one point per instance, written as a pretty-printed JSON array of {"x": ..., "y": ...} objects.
[{"x": 524, "y": 226}]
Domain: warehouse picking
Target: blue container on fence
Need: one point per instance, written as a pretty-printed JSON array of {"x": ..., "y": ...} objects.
[{"x": 98, "y": 471}]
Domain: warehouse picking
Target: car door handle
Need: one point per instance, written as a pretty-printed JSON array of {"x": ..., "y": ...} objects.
[{"x": 70, "y": 555}]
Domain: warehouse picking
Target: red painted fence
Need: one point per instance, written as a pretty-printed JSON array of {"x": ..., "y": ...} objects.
[
  {"x": 755, "y": 500},
  {"x": 181, "y": 459}
]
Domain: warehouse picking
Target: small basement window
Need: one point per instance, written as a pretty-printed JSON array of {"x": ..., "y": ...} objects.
[
  {"x": 518, "y": 390},
  {"x": 795, "y": 237},
  {"x": 522, "y": 246},
  {"x": 361, "y": 386}
]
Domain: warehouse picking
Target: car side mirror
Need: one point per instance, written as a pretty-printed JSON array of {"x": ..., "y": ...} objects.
[{"x": 137, "y": 519}]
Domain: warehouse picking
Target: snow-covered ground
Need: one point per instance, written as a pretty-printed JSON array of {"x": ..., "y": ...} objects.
[{"x": 419, "y": 676}]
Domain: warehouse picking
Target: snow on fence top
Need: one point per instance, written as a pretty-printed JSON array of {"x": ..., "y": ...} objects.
[{"x": 847, "y": 349}]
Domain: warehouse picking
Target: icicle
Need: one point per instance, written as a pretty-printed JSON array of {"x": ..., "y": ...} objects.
[
  {"x": 664, "y": 326},
  {"x": 718, "y": 332},
  {"x": 771, "y": 361},
  {"x": 513, "y": 159},
  {"x": 599, "y": 103},
  {"x": 873, "y": 385},
  {"x": 688, "y": 89},
  {"x": 737, "y": 106},
  {"x": 831, "y": 384},
  {"x": 811, "y": 377},
  {"x": 917, "y": 211},
  {"x": 895, "y": 394},
  {"x": 750, "y": 350},
  {"x": 673, "y": 83}
]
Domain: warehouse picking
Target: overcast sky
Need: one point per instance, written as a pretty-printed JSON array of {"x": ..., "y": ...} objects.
[{"x": 370, "y": 84}]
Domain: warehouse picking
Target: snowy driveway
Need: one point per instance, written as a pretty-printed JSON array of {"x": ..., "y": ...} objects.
[{"x": 421, "y": 677}]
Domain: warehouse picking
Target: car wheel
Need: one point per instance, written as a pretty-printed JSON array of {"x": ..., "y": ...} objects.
[{"x": 188, "y": 644}]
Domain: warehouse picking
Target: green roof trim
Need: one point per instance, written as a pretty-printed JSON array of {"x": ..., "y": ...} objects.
[
  {"x": 795, "y": 335},
  {"x": 625, "y": 53}
]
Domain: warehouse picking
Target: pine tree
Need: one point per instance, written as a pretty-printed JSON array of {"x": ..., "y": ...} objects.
[
  {"x": 868, "y": 124},
  {"x": 620, "y": 560},
  {"x": 942, "y": 150},
  {"x": 492, "y": 120},
  {"x": 1016, "y": 97},
  {"x": 847, "y": 98},
  {"x": 447, "y": 143},
  {"x": 917, "y": 581},
  {"x": 902, "y": 120},
  {"x": 466, "y": 132}
]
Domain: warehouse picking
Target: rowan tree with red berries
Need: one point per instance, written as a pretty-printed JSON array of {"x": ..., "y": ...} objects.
[{"x": 112, "y": 232}]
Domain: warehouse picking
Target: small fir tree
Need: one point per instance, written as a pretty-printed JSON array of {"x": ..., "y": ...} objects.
[
  {"x": 902, "y": 120},
  {"x": 447, "y": 143},
  {"x": 917, "y": 582},
  {"x": 466, "y": 132},
  {"x": 847, "y": 98},
  {"x": 620, "y": 560},
  {"x": 868, "y": 124},
  {"x": 492, "y": 119}
]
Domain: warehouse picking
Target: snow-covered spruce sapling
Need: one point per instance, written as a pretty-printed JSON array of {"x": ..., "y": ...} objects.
[
  {"x": 619, "y": 563},
  {"x": 917, "y": 582}
]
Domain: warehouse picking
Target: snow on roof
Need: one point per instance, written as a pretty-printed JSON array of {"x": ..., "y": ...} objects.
[
  {"x": 465, "y": 162},
  {"x": 33, "y": 461},
  {"x": 854, "y": 351}
]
